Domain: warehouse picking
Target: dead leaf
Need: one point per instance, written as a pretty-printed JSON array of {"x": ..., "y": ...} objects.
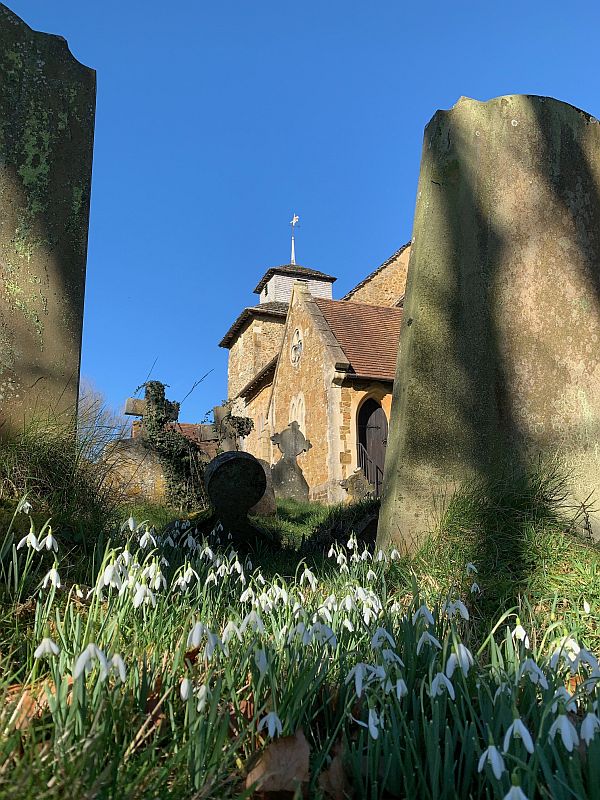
[
  {"x": 333, "y": 781},
  {"x": 281, "y": 767},
  {"x": 31, "y": 701}
]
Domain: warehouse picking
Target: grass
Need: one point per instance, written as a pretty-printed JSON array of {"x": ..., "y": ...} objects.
[{"x": 226, "y": 660}]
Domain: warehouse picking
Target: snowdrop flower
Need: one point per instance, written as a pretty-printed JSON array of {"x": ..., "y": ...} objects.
[
  {"x": 568, "y": 650},
  {"x": 379, "y": 637},
  {"x": 147, "y": 539},
  {"x": 389, "y": 655},
  {"x": 111, "y": 577},
  {"x": 517, "y": 730},
  {"x": 117, "y": 665},
  {"x": 371, "y": 576},
  {"x": 260, "y": 659},
  {"x": 185, "y": 689},
  {"x": 515, "y": 793},
  {"x": 203, "y": 696},
  {"x": 143, "y": 595},
  {"x": 589, "y": 727},
  {"x": 563, "y": 725},
  {"x": 30, "y": 541},
  {"x": 323, "y": 634},
  {"x": 47, "y": 648},
  {"x": 211, "y": 578},
  {"x": 365, "y": 555},
  {"x": 49, "y": 542},
  {"x": 521, "y": 634},
  {"x": 359, "y": 672},
  {"x": 452, "y": 608},
  {"x": 25, "y": 507},
  {"x": 440, "y": 684},
  {"x": 461, "y": 658},
  {"x": 375, "y": 723},
  {"x": 536, "y": 676},
  {"x": 272, "y": 723},
  {"x": 308, "y": 576},
  {"x": 229, "y": 631},
  {"x": 169, "y": 541},
  {"x": 475, "y": 588},
  {"x": 427, "y": 638},
  {"x": 84, "y": 662},
  {"x": 424, "y": 612},
  {"x": 351, "y": 543},
  {"x": 348, "y": 625},
  {"x": 394, "y": 555},
  {"x": 213, "y": 643},
  {"x": 247, "y": 595},
  {"x": 253, "y": 621},
  {"x": 494, "y": 758},
  {"x": 196, "y": 634},
  {"x": 561, "y": 694},
  {"x": 381, "y": 555},
  {"x": 401, "y": 689},
  {"x": 471, "y": 568},
  {"x": 52, "y": 577},
  {"x": 586, "y": 607},
  {"x": 125, "y": 558}
]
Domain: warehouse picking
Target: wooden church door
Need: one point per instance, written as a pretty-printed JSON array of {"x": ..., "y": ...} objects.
[{"x": 372, "y": 442}]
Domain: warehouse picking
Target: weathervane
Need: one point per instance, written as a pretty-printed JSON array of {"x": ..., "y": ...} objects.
[{"x": 293, "y": 223}]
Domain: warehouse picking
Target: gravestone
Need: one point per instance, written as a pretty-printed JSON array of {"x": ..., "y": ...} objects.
[
  {"x": 266, "y": 506},
  {"x": 47, "y": 101},
  {"x": 235, "y": 481},
  {"x": 288, "y": 478},
  {"x": 358, "y": 486},
  {"x": 499, "y": 357}
]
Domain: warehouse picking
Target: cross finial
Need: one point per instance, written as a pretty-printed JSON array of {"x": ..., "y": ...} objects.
[{"x": 293, "y": 223}]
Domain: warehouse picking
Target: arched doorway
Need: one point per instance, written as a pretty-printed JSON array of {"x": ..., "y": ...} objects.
[{"x": 372, "y": 442}]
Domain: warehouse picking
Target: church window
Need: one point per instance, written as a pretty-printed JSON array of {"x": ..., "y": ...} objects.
[
  {"x": 296, "y": 348},
  {"x": 298, "y": 412}
]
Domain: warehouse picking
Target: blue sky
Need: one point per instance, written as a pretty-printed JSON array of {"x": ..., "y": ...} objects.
[{"x": 217, "y": 120}]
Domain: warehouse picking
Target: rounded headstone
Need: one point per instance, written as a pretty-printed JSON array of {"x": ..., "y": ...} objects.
[{"x": 235, "y": 481}]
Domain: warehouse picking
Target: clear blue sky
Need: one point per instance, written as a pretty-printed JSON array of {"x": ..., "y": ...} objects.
[{"x": 217, "y": 120}]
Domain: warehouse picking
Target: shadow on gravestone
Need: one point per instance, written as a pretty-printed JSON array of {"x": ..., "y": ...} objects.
[
  {"x": 288, "y": 478},
  {"x": 47, "y": 103},
  {"x": 235, "y": 482},
  {"x": 266, "y": 506}
]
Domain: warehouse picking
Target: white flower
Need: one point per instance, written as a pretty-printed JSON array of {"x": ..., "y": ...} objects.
[
  {"x": 52, "y": 577},
  {"x": 471, "y": 568},
  {"x": 401, "y": 689},
  {"x": 131, "y": 523},
  {"x": 308, "y": 576},
  {"x": 530, "y": 668},
  {"x": 568, "y": 734},
  {"x": 379, "y": 637},
  {"x": 371, "y": 576},
  {"x": 424, "y": 612},
  {"x": 111, "y": 576},
  {"x": 25, "y": 507},
  {"x": 390, "y": 655},
  {"x": 521, "y": 634},
  {"x": 359, "y": 673},
  {"x": 84, "y": 662},
  {"x": 394, "y": 555},
  {"x": 49, "y": 542},
  {"x": 475, "y": 588},
  {"x": 143, "y": 595},
  {"x": 46, "y": 648},
  {"x": 348, "y": 625},
  {"x": 229, "y": 631},
  {"x": 493, "y": 756},
  {"x": 586, "y": 607},
  {"x": 461, "y": 658},
  {"x": 517, "y": 730},
  {"x": 456, "y": 606},
  {"x": 374, "y": 723},
  {"x": 440, "y": 684},
  {"x": 427, "y": 638},
  {"x": 196, "y": 635},
  {"x": 561, "y": 694},
  {"x": 515, "y": 793},
  {"x": 203, "y": 696},
  {"x": 252, "y": 620},
  {"x": 568, "y": 650},
  {"x": 589, "y": 727},
  {"x": 272, "y": 723},
  {"x": 117, "y": 665},
  {"x": 30, "y": 541},
  {"x": 147, "y": 539},
  {"x": 185, "y": 689},
  {"x": 260, "y": 659}
]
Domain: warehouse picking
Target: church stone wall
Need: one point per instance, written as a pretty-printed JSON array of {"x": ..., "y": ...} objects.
[
  {"x": 386, "y": 287},
  {"x": 258, "y": 443},
  {"x": 313, "y": 375},
  {"x": 258, "y": 343}
]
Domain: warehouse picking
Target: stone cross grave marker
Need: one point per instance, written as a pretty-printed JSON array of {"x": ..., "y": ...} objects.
[{"x": 288, "y": 478}]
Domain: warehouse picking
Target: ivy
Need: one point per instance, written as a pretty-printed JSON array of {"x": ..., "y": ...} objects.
[{"x": 181, "y": 460}]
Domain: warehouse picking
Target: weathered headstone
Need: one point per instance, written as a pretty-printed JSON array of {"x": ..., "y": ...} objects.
[
  {"x": 357, "y": 486},
  {"x": 47, "y": 101},
  {"x": 235, "y": 481},
  {"x": 288, "y": 478},
  {"x": 499, "y": 357},
  {"x": 266, "y": 506}
]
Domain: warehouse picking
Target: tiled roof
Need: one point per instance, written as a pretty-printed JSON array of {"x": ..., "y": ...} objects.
[
  {"x": 368, "y": 335},
  {"x": 266, "y": 309},
  {"x": 262, "y": 378},
  {"x": 371, "y": 275},
  {"x": 295, "y": 271}
]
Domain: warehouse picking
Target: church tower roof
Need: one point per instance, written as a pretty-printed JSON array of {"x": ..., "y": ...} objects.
[{"x": 293, "y": 271}]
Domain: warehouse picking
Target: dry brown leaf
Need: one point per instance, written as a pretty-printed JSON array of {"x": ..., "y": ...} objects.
[
  {"x": 282, "y": 767},
  {"x": 333, "y": 781},
  {"x": 31, "y": 701}
]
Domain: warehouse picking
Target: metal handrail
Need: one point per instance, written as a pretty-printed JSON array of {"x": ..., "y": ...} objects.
[{"x": 372, "y": 471}]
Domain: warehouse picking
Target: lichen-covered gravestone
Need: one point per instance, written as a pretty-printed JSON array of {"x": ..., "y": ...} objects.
[
  {"x": 499, "y": 358},
  {"x": 235, "y": 482},
  {"x": 288, "y": 478},
  {"x": 47, "y": 101}
]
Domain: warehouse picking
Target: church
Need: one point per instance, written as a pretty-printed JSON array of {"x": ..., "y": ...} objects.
[{"x": 300, "y": 355}]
